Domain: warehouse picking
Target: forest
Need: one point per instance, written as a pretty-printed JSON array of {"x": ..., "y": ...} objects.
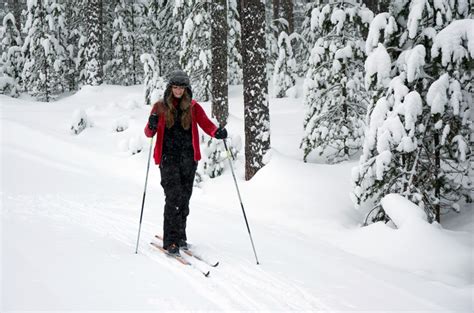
[{"x": 386, "y": 82}]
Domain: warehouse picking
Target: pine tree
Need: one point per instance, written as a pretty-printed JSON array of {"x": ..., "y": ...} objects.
[
  {"x": 284, "y": 76},
  {"x": 58, "y": 26},
  {"x": 308, "y": 38},
  {"x": 334, "y": 94},
  {"x": 418, "y": 125},
  {"x": 256, "y": 110},
  {"x": 195, "y": 55},
  {"x": 234, "y": 44},
  {"x": 164, "y": 37},
  {"x": 93, "y": 52},
  {"x": 74, "y": 28},
  {"x": 11, "y": 60},
  {"x": 124, "y": 67},
  {"x": 154, "y": 83},
  {"x": 43, "y": 54}
]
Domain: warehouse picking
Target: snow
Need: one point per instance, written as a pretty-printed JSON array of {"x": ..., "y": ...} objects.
[
  {"x": 437, "y": 97},
  {"x": 456, "y": 42},
  {"x": 381, "y": 22},
  {"x": 71, "y": 207},
  {"x": 416, "y": 11},
  {"x": 415, "y": 61},
  {"x": 401, "y": 210},
  {"x": 378, "y": 62}
]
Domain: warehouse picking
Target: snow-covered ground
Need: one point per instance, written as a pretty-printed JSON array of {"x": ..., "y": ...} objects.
[{"x": 70, "y": 208}]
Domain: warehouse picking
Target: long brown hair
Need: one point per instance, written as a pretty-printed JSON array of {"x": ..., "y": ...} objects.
[{"x": 185, "y": 106}]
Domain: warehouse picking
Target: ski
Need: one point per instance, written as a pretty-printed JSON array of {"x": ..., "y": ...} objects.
[
  {"x": 194, "y": 255},
  {"x": 180, "y": 259}
]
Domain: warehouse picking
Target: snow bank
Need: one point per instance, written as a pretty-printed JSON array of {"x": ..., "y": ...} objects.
[
  {"x": 416, "y": 246},
  {"x": 401, "y": 210}
]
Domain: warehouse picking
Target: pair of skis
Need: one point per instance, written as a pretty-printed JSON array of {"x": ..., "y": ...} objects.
[{"x": 184, "y": 261}]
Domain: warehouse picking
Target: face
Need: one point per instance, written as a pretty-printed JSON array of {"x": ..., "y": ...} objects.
[{"x": 177, "y": 91}]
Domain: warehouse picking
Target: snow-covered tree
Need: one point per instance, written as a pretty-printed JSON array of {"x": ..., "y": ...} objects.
[
  {"x": 124, "y": 67},
  {"x": 334, "y": 93},
  {"x": 417, "y": 141},
  {"x": 195, "y": 55},
  {"x": 215, "y": 156},
  {"x": 74, "y": 29},
  {"x": 284, "y": 73},
  {"x": 43, "y": 54},
  {"x": 93, "y": 53},
  {"x": 308, "y": 37},
  {"x": 164, "y": 35},
  {"x": 234, "y": 43},
  {"x": 58, "y": 27},
  {"x": 11, "y": 60},
  {"x": 154, "y": 84}
]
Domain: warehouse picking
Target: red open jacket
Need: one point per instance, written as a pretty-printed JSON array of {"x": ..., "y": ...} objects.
[{"x": 198, "y": 117}]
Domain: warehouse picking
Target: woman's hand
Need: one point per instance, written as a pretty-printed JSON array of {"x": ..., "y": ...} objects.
[{"x": 221, "y": 133}]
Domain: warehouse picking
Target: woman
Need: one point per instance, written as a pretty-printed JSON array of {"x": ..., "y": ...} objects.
[{"x": 175, "y": 119}]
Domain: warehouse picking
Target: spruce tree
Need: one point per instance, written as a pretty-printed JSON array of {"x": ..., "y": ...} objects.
[
  {"x": 124, "y": 67},
  {"x": 60, "y": 30},
  {"x": 416, "y": 137},
  {"x": 284, "y": 75},
  {"x": 234, "y": 44},
  {"x": 43, "y": 53},
  {"x": 334, "y": 93},
  {"x": 308, "y": 38},
  {"x": 195, "y": 55},
  {"x": 11, "y": 60}
]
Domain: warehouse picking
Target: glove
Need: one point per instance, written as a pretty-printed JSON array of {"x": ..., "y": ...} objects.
[
  {"x": 153, "y": 121},
  {"x": 221, "y": 133}
]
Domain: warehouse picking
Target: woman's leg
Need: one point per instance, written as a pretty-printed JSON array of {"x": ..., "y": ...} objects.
[{"x": 171, "y": 182}]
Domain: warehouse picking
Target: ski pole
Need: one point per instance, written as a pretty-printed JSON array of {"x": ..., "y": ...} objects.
[
  {"x": 230, "y": 157},
  {"x": 144, "y": 193}
]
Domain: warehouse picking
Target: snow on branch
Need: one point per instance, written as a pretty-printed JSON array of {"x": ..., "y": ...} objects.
[{"x": 456, "y": 42}]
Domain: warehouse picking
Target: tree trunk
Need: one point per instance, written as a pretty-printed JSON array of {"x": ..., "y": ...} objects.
[
  {"x": 287, "y": 14},
  {"x": 256, "y": 111},
  {"x": 220, "y": 105},
  {"x": 437, "y": 184},
  {"x": 276, "y": 9},
  {"x": 17, "y": 8}
]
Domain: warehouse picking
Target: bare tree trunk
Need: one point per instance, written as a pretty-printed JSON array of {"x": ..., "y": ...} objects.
[
  {"x": 256, "y": 111},
  {"x": 220, "y": 103}
]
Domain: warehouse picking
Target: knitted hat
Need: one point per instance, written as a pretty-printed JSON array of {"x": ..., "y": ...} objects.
[{"x": 178, "y": 78}]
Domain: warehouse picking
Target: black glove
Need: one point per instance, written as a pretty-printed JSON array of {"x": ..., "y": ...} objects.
[
  {"x": 153, "y": 121},
  {"x": 221, "y": 133}
]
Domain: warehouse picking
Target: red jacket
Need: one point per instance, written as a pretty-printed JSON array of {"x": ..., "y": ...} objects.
[{"x": 198, "y": 117}]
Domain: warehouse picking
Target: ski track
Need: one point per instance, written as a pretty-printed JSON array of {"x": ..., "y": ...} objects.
[{"x": 236, "y": 283}]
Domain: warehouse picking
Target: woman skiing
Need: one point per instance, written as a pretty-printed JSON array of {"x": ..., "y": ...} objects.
[{"x": 175, "y": 119}]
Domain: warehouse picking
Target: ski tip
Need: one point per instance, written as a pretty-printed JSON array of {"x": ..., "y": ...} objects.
[
  {"x": 215, "y": 265},
  {"x": 207, "y": 274}
]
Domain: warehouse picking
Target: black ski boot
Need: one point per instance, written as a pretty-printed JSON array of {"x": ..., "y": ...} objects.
[
  {"x": 173, "y": 249},
  {"x": 182, "y": 244}
]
